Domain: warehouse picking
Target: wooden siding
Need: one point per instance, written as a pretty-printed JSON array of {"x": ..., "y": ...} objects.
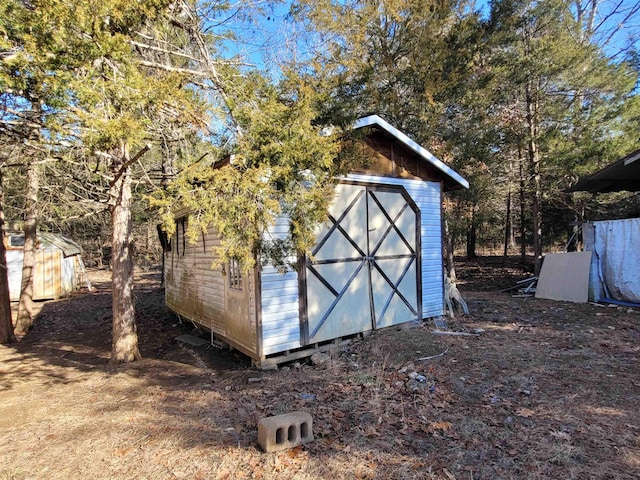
[
  {"x": 280, "y": 311},
  {"x": 389, "y": 159},
  {"x": 54, "y": 276},
  {"x": 200, "y": 293},
  {"x": 427, "y": 196}
]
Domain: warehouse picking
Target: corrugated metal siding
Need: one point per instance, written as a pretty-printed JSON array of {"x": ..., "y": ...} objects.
[
  {"x": 427, "y": 196},
  {"x": 280, "y": 311}
]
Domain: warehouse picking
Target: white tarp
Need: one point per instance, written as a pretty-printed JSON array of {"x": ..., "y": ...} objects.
[{"x": 616, "y": 259}]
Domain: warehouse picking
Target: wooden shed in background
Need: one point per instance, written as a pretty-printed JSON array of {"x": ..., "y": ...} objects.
[
  {"x": 377, "y": 261},
  {"x": 58, "y": 269}
]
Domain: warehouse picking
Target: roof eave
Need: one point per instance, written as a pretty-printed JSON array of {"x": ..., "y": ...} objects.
[{"x": 374, "y": 120}]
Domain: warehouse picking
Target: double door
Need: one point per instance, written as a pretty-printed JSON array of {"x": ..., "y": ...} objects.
[{"x": 364, "y": 272}]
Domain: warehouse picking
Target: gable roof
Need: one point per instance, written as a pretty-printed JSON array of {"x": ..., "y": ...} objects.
[
  {"x": 621, "y": 175},
  {"x": 46, "y": 239},
  {"x": 456, "y": 180}
]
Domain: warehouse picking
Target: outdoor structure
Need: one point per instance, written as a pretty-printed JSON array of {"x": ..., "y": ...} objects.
[
  {"x": 58, "y": 266},
  {"x": 615, "y": 260},
  {"x": 621, "y": 175},
  {"x": 377, "y": 261}
]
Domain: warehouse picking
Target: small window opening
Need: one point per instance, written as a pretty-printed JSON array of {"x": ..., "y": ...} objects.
[
  {"x": 235, "y": 274},
  {"x": 164, "y": 239},
  {"x": 16, "y": 240},
  {"x": 181, "y": 240}
]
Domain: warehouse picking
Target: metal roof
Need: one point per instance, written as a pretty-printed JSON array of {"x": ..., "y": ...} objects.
[
  {"x": 46, "y": 239},
  {"x": 426, "y": 155},
  {"x": 621, "y": 175}
]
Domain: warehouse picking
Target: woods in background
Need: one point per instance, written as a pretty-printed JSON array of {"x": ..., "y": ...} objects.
[{"x": 112, "y": 115}]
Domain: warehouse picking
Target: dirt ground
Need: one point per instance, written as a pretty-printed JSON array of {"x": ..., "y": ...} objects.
[{"x": 544, "y": 390}]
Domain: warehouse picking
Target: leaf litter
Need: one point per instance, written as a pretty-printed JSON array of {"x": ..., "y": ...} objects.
[{"x": 556, "y": 399}]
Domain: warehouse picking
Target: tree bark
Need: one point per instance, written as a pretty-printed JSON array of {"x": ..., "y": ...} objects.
[
  {"x": 6, "y": 322},
  {"x": 25, "y": 306},
  {"x": 523, "y": 230},
  {"x": 507, "y": 225},
  {"x": 168, "y": 173},
  {"x": 472, "y": 235},
  {"x": 448, "y": 252},
  {"x": 534, "y": 162},
  {"x": 125, "y": 337}
]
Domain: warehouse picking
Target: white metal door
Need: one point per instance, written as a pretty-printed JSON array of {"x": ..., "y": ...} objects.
[{"x": 365, "y": 267}]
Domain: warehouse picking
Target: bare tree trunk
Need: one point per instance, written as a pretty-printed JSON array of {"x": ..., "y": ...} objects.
[
  {"x": 523, "y": 230},
  {"x": 125, "y": 337},
  {"x": 167, "y": 174},
  {"x": 534, "y": 162},
  {"x": 6, "y": 322},
  {"x": 448, "y": 252},
  {"x": 507, "y": 224},
  {"x": 472, "y": 235},
  {"x": 25, "y": 306}
]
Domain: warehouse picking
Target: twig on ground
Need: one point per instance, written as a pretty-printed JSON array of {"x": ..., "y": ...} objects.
[
  {"x": 465, "y": 334},
  {"x": 434, "y": 356}
]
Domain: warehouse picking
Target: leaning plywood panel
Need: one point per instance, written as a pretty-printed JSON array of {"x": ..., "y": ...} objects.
[{"x": 565, "y": 276}]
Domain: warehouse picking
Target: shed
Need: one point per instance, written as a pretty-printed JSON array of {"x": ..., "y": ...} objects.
[
  {"x": 615, "y": 260},
  {"x": 377, "y": 261},
  {"x": 58, "y": 266}
]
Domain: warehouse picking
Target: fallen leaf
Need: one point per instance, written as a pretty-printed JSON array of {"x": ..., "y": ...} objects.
[
  {"x": 560, "y": 435},
  {"x": 372, "y": 432},
  {"x": 444, "y": 426},
  {"x": 524, "y": 412},
  {"x": 121, "y": 452},
  {"x": 294, "y": 452}
]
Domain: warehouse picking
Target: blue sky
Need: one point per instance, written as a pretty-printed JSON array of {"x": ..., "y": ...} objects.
[{"x": 269, "y": 37}]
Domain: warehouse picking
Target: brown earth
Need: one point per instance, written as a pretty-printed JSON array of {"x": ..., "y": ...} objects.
[{"x": 546, "y": 390}]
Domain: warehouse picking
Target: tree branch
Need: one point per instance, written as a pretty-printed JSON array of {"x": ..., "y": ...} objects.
[{"x": 128, "y": 163}]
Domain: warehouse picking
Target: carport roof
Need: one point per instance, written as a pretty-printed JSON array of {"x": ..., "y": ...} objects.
[{"x": 621, "y": 175}]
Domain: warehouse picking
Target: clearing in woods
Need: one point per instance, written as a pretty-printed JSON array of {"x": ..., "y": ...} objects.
[{"x": 546, "y": 390}]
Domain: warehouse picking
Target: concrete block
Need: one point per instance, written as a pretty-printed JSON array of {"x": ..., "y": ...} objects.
[{"x": 282, "y": 432}]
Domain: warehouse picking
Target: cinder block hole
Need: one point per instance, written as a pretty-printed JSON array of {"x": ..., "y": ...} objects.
[
  {"x": 292, "y": 433},
  {"x": 304, "y": 430},
  {"x": 280, "y": 436}
]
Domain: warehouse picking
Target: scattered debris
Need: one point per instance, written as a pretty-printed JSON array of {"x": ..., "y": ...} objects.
[
  {"x": 526, "y": 286},
  {"x": 320, "y": 359},
  {"x": 613, "y": 302},
  {"x": 441, "y": 323},
  {"x": 434, "y": 356}
]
